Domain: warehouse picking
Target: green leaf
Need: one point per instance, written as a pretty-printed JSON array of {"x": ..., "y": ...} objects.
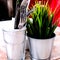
[{"x": 41, "y": 26}]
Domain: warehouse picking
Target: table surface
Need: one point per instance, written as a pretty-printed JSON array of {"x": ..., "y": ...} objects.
[{"x": 55, "y": 51}]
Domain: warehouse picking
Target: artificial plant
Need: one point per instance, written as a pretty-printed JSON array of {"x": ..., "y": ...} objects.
[{"x": 41, "y": 26}]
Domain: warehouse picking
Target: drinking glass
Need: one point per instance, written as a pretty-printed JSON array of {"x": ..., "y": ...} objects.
[{"x": 15, "y": 44}]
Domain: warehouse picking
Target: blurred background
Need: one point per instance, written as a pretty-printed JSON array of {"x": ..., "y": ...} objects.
[{"x": 7, "y": 9}]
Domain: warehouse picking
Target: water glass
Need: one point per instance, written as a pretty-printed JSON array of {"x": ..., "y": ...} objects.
[{"x": 15, "y": 44}]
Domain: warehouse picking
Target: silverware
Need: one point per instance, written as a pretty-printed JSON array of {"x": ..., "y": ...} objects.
[
  {"x": 17, "y": 16},
  {"x": 23, "y": 16}
]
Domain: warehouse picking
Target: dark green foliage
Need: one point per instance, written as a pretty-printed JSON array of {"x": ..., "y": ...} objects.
[{"x": 41, "y": 25}]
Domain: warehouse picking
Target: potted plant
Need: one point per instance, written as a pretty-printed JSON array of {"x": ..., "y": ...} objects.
[{"x": 40, "y": 32}]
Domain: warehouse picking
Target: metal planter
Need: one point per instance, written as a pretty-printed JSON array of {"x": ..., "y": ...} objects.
[{"x": 40, "y": 49}]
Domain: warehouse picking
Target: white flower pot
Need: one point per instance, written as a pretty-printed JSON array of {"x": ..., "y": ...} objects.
[{"x": 40, "y": 48}]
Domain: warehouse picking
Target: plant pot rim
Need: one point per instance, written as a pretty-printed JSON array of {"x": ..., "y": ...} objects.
[{"x": 43, "y": 38}]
